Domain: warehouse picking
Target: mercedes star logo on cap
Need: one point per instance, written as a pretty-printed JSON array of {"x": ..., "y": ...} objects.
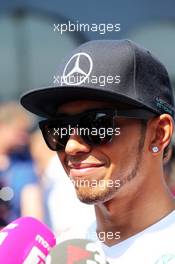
[{"x": 74, "y": 68}]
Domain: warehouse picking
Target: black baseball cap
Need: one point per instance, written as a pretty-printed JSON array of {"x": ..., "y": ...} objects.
[{"x": 119, "y": 71}]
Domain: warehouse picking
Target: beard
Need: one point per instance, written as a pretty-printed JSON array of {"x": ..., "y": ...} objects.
[{"x": 91, "y": 195}]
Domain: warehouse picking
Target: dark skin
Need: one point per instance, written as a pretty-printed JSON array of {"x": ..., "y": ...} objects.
[{"x": 143, "y": 197}]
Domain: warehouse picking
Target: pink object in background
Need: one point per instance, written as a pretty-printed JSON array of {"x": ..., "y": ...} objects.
[{"x": 25, "y": 241}]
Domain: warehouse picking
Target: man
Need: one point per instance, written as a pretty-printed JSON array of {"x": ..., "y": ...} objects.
[{"x": 110, "y": 119}]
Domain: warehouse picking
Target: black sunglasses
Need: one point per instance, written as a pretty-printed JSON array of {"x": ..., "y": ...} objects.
[{"x": 95, "y": 126}]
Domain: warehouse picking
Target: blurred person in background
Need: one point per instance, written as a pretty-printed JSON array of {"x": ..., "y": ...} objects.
[
  {"x": 64, "y": 213},
  {"x": 16, "y": 167}
]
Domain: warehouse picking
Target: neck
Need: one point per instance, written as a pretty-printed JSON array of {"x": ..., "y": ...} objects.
[{"x": 125, "y": 216}]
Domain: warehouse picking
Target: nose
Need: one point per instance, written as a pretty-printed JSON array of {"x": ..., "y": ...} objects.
[{"x": 76, "y": 145}]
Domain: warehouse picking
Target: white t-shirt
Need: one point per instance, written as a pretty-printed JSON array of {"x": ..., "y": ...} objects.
[{"x": 154, "y": 245}]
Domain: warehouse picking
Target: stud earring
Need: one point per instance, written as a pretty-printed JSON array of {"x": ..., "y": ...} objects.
[{"x": 155, "y": 149}]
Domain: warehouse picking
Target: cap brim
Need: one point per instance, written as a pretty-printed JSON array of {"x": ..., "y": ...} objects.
[{"x": 45, "y": 101}]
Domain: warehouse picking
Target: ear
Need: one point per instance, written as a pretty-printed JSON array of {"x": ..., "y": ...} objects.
[{"x": 162, "y": 131}]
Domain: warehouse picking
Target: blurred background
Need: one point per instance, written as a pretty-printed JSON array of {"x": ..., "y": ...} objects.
[{"x": 30, "y": 50}]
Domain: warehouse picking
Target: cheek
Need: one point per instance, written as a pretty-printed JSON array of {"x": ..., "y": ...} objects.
[
  {"x": 116, "y": 149},
  {"x": 121, "y": 152}
]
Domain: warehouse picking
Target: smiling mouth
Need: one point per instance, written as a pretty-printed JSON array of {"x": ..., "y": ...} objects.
[
  {"x": 84, "y": 169},
  {"x": 79, "y": 166}
]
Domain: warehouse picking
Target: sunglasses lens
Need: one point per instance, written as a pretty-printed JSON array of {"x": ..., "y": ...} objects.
[
  {"x": 98, "y": 125},
  {"x": 94, "y": 127},
  {"x": 54, "y": 140}
]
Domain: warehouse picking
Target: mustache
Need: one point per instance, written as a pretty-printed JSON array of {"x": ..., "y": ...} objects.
[{"x": 85, "y": 159}]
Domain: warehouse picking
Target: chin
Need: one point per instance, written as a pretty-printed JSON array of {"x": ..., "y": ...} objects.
[{"x": 94, "y": 196}]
